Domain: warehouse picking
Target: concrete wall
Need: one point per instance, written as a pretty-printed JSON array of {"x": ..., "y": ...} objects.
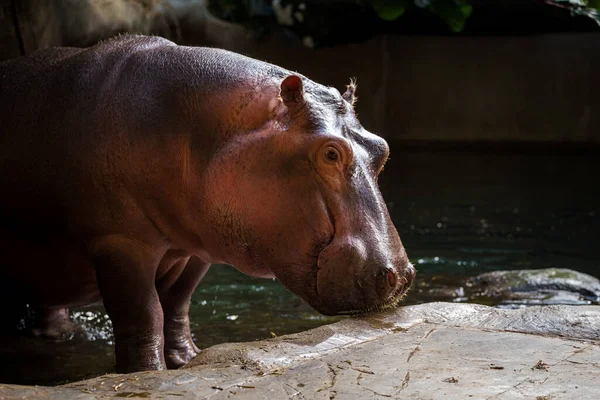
[
  {"x": 522, "y": 88},
  {"x": 526, "y": 88}
]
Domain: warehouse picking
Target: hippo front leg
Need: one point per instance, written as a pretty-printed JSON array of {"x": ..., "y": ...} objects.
[
  {"x": 125, "y": 271},
  {"x": 175, "y": 290}
]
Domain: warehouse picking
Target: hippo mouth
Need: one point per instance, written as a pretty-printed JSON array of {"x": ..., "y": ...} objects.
[
  {"x": 390, "y": 302},
  {"x": 354, "y": 257}
]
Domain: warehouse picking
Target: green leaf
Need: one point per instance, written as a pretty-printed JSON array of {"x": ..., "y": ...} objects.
[
  {"x": 594, "y": 4},
  {"x": 389, "y": 10},
  {"x": 453, "y": 12},
  {"x": 467, "y": 10},
  {"x": 588, "y": 8}
]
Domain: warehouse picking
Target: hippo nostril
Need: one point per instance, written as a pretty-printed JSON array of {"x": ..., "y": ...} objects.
[{"x": 392, "y": 279}]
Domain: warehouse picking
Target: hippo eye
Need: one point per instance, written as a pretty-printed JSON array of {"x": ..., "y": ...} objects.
[{"x": 332, "y": 154}]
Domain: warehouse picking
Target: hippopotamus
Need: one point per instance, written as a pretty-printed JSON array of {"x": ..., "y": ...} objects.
[{"x": 131, "y": 166}]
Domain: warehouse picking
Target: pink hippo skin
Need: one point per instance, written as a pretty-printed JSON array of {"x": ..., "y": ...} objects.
[{"x": 122, "y": 161}]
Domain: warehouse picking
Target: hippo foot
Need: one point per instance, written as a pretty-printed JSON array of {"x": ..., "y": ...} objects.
[
  {"x": 57, "y": 332},
  {"x": 179, "y": 352},
  {"x": 53, "y": 324}
]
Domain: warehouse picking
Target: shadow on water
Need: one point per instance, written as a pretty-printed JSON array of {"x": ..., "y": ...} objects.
[{"x": 459, "y": 213}]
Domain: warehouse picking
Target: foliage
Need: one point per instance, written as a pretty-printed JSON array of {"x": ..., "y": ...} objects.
[
  {"x": 390, "y": 10},
  {"x": 456, "y": 12},
  {"x": 318, "y": 19},
  {"x": 588, "y": 8},
  {"x": 453, "y": 12}
]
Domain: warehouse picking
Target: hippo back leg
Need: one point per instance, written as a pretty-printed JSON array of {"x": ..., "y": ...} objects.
[
  {"x": 19, "y": 315},
  {"x": 52, "y": 323},
  {"x": 175, "y": 290}
]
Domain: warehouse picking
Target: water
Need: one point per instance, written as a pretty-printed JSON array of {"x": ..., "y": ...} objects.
[{"x": 459, "y": 213}]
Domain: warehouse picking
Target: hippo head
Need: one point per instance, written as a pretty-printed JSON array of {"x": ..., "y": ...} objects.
[{"x": 306, "y": 207}]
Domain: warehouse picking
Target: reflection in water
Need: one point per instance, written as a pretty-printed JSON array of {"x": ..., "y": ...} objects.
[{"x": 458, "y": 213}]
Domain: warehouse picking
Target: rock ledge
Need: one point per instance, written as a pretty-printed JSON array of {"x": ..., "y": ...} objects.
[{"x": 428, "y": 351}]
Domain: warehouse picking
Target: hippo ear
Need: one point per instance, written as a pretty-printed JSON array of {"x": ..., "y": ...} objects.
[
  {"x": 349, "y": 93},
  {"x": 292, "y": 91}
]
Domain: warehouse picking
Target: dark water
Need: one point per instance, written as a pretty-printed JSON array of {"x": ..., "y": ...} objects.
[{"x": 459, "y": 212}]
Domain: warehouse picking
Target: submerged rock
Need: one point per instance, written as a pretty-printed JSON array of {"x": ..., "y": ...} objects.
[
  {"x": 534, "y": 287},
  {"x": 430, "y": 350}
]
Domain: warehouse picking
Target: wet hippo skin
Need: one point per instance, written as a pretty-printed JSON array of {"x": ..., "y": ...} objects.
[{"x": 130, "y": 166}]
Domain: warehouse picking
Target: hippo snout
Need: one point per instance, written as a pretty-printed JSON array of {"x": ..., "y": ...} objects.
[{"x": 351, "y": 279}]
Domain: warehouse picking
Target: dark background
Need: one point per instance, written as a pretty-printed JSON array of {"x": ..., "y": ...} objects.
[{"x": 494, "y": 133}]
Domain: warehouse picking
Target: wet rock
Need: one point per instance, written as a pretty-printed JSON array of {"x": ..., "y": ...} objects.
[
  {"x": 430, "y": 350},
  {"x": 534, "y": 287}
]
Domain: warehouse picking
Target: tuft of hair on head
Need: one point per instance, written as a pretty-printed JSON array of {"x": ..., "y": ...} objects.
[{"x": 350, "y": 93}]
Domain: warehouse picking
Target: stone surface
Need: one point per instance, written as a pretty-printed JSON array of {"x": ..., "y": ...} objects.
[
  {"x": 537, "y": 286},
  {"x": 429, "y": 351}
]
